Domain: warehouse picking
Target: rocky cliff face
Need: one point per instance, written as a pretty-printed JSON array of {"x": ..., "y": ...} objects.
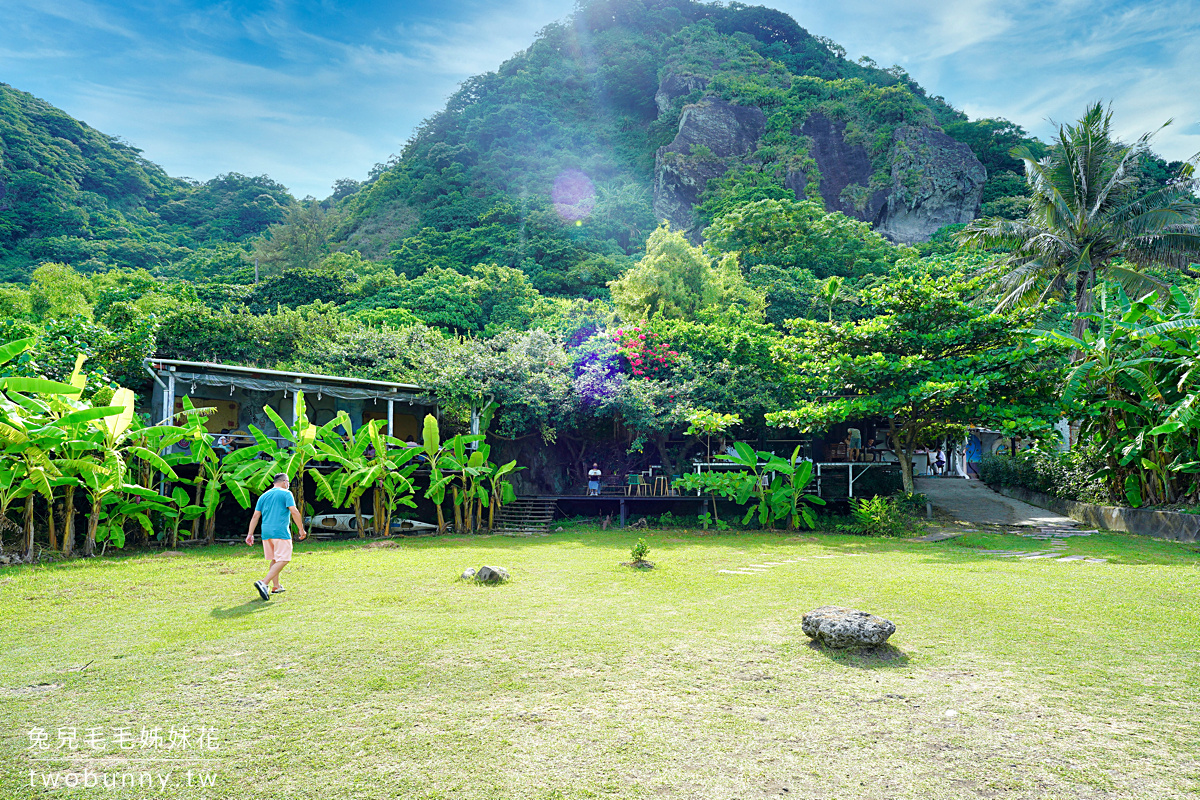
[
  {"x": 845, "y": 170},
  {"x": 935, "y": 181},
  {"x": 673, "y": 86},
  {"x": 713, "y": 136}
]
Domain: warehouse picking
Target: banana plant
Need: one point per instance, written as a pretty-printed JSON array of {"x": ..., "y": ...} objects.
[
  {"x": 451, "y": 471},
  {"x": 356, "y": 473},
  {"x": 133, "y": 502},
  {"x": 796, "y": 473},
  {"x": 394, "y": 465},
  {"x": 180, "y": 511},
  {"x": 499, "y": 490},
  {"x": 438, "y": 481},
  {"x": 117, "y": 442},
  {"x": 778, "y": 498}
]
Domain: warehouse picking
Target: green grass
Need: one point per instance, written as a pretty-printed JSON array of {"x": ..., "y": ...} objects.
[{"x": 379, "y": 674}]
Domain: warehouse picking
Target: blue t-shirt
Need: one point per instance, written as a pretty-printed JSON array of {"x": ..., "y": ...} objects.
[{"x": 275, "y": 506}]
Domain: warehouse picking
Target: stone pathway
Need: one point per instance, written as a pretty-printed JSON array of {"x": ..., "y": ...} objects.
[{"x": 1056, "y": 536}]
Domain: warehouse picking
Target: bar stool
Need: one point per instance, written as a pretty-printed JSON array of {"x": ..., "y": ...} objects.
[{"x": 661, "y": 484}]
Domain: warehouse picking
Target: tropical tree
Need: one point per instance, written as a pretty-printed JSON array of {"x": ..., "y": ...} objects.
[
  {"x": 930, "y": 363},
  {"x": 1089, "y": 219},
  {"x": 1135, "y": 387}
]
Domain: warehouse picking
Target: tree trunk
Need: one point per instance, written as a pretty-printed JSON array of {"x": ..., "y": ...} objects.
[
  {"x": 441, "y": 519},
  {"x": 298, "y": 491},
  {"x": 29, "y": 528},
  {"x": 377, "y": 505},
  {"x": 69, "y": 522},
  {"x": 358, "y": 524},
  {"x": 50, "y": 523},
  {"x": 197, "y": 500},
  {"x": 458, "y": 515},
  {"x": 89, "y": 543},
  {"x": 210, "y": 529},
  {"x": 903, "y": 447},
  {"x": 1085, "y": 280}
]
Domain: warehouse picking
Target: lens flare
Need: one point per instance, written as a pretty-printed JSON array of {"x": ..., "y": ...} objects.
[{"x": 573, "y": 195}]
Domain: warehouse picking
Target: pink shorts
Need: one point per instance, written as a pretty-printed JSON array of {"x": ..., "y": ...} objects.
[{"x": 277, "y": 549}]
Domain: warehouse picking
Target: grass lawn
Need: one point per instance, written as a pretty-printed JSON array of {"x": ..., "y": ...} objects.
[{"x": 379, "y": 675}]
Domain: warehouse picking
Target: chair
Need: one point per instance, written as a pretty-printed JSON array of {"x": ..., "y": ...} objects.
[
  {"x": 632, "y": 481},
  {"x": 661, "y": 484}
]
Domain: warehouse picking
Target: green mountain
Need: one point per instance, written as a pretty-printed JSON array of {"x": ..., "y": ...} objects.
[
  {"x": 562, "y": 160},
  {"x": 72, "y": 194},
  {"x": 560, "y": 163}
]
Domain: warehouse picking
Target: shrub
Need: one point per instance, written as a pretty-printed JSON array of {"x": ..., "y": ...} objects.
[
  {"x": 640, "y": 550},
  {"x": 879, "y": 516},
  {"x": 1069, "y": 475}
]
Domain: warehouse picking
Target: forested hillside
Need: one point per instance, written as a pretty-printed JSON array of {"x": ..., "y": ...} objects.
[{"x": 71, "y": 194}]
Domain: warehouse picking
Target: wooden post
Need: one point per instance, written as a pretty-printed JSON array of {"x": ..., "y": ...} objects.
[
  {"x": 169, "y": 397},
  {"x": 622, "y": 512},
  {"x": 295, "y": 407}
]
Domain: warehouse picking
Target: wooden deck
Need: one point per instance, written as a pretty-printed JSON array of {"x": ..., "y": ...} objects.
[{"x": 624, "y": 505}]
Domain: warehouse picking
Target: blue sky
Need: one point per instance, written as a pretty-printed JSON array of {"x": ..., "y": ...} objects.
[{"x": 309, "y": 92}]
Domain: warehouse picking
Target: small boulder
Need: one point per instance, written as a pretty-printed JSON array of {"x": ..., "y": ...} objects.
[
  {"x": 491, "y": 575},
  {"x": 838, "y": 627},
  {"x": 468, "y": 573}
]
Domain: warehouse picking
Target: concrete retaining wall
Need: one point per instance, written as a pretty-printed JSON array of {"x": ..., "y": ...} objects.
[{"x": 1142, "y": 521}]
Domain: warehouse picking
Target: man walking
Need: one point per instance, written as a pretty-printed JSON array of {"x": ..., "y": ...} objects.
[{"x": 276, "y": 508}]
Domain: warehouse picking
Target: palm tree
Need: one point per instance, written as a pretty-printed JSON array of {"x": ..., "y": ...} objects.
[
  {"x": 832, "y": 290},
  {"x": 1088, "y": 213}
]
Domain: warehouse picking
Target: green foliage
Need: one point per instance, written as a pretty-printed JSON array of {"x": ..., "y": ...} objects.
[
  {"x": 299, "y": 241},
  {"x": 639, "y": 551},
  {"x": 294, "y": 288},
  {"x": 992, "y": 141},
  {"x": 1133, "y": 386},
  {"x": 929, "y": 362},
  {"x": 879, "y": 516},
  {"x": 774, "y": 498},
  {"x": 676, "y": 279},
  {"x": 1091, "y": 217},
  {"x": 1069, "y": 474},
  {"x": 59, "y": 292},
  {"x": 77, "y": 196}
]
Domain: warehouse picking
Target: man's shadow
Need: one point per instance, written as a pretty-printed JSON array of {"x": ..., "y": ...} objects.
[{"x": 246, "y": 608}]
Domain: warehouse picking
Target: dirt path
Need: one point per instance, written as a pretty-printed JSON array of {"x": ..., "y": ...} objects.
[{"x": 972, "y": 501}]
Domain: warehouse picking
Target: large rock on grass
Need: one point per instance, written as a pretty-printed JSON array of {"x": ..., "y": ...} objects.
[
  {"x": 491, "y": 575},
  {"x": 834, "y": 626}
]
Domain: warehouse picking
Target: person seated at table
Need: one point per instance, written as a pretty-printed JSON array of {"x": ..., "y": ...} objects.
[
  {"x": 223, "y": 445},
  {"x": 409, "y": 441},
  {"x": 594, "y": 480},
  {"x": 868, "y": 452}
]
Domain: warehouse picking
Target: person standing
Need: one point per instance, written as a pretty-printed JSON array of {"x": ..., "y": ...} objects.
[
  {"x": 853, "y": 444},
  {"x": 594, "y": 480},
  {"x": 276, "y": 508}
]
